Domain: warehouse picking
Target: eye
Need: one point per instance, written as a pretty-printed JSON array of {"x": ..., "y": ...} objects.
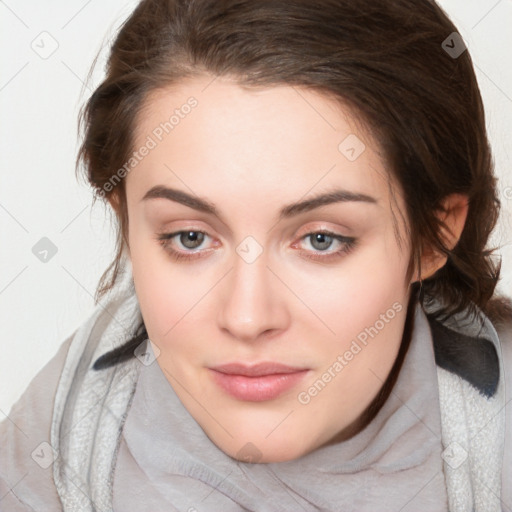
[
  {"x": 320, "y": 241},
  {"x": 181, "y": 245},
  {"x": 320, "y": 245},
  {"x": 191, "y": 239},
  {"x": 324, "y": 245}
]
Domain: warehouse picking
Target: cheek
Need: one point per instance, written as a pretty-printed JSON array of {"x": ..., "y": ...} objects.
[
  {"x": 164, "y": 291},
  {"x": 351, "y": 296}
]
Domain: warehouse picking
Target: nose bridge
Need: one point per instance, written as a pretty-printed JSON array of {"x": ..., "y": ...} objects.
[{"x": 251, "y": 304}]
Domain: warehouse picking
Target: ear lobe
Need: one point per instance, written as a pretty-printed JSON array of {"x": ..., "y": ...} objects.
[
  {"x": 452, "y": 215},
  {"x": 115, "y": 203}
]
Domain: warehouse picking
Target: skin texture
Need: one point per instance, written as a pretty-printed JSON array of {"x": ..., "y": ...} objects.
[{"x": 250, "y": 152}]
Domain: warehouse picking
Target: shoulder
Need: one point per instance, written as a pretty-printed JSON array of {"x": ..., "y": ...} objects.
[
  {"x": 504, "y": 330},
  {"x": 499, "y": 312},
  {"x": 474, "y": 358},
  {"x": 26, "y": 477},
  {"x": 475, "y": 345}
]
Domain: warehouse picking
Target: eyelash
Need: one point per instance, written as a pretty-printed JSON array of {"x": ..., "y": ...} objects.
[{"x": 348, "y": 245}]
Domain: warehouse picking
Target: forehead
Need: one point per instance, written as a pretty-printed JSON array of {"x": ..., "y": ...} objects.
[{"x": 217, "y": 138}]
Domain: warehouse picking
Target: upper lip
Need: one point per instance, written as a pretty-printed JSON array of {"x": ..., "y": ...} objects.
[{"x": 256, "y": 370}]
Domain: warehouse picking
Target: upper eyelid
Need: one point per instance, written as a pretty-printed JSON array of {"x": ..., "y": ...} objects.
[
  {"x": 323, "y": 229},
  {"x": 337, "y": 237},
  {"x": 225, "y": 231},
  {"x": 173, "y": 234}
]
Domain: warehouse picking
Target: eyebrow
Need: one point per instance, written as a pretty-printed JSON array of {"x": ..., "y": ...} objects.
[{"x": 202, "y": 205}]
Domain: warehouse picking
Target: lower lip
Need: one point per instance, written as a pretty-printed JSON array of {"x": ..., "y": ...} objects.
[{"x": 257, "y": 389}]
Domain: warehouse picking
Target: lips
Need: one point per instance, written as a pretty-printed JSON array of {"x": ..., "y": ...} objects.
[
  {"x": 259, "y": 382},
  {"x": 256, "y": 370}
]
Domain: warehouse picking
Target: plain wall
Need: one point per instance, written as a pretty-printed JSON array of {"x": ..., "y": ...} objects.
[{"x": 40, "y": 95}]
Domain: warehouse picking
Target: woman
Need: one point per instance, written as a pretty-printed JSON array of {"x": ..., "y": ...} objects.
[{"x": 304, "y": 194}]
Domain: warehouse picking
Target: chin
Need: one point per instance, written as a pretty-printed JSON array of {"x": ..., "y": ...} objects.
[
  {"x": 258, "y": 449},
  {"x": 251, "y": 453}
]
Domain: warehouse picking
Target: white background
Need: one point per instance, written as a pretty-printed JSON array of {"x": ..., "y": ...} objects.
[{"x": 42, "y": 303}]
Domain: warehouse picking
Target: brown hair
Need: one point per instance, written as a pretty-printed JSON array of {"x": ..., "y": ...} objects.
[{"x": 386, "y": 60}]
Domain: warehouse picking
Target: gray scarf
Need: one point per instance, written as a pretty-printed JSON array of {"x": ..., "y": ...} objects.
[{"x": 91, "y": 408}]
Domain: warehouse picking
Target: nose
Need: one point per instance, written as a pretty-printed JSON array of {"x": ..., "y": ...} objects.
[{"x": 252, "y": 306}]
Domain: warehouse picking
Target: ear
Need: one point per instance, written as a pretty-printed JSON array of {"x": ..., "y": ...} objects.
[
  {"x": 115, "y": 203},
  {"x": 453, "y": 214}
]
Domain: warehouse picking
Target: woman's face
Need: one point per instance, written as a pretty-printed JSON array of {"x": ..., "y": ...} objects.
[{"x": 265, "y": 261}]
